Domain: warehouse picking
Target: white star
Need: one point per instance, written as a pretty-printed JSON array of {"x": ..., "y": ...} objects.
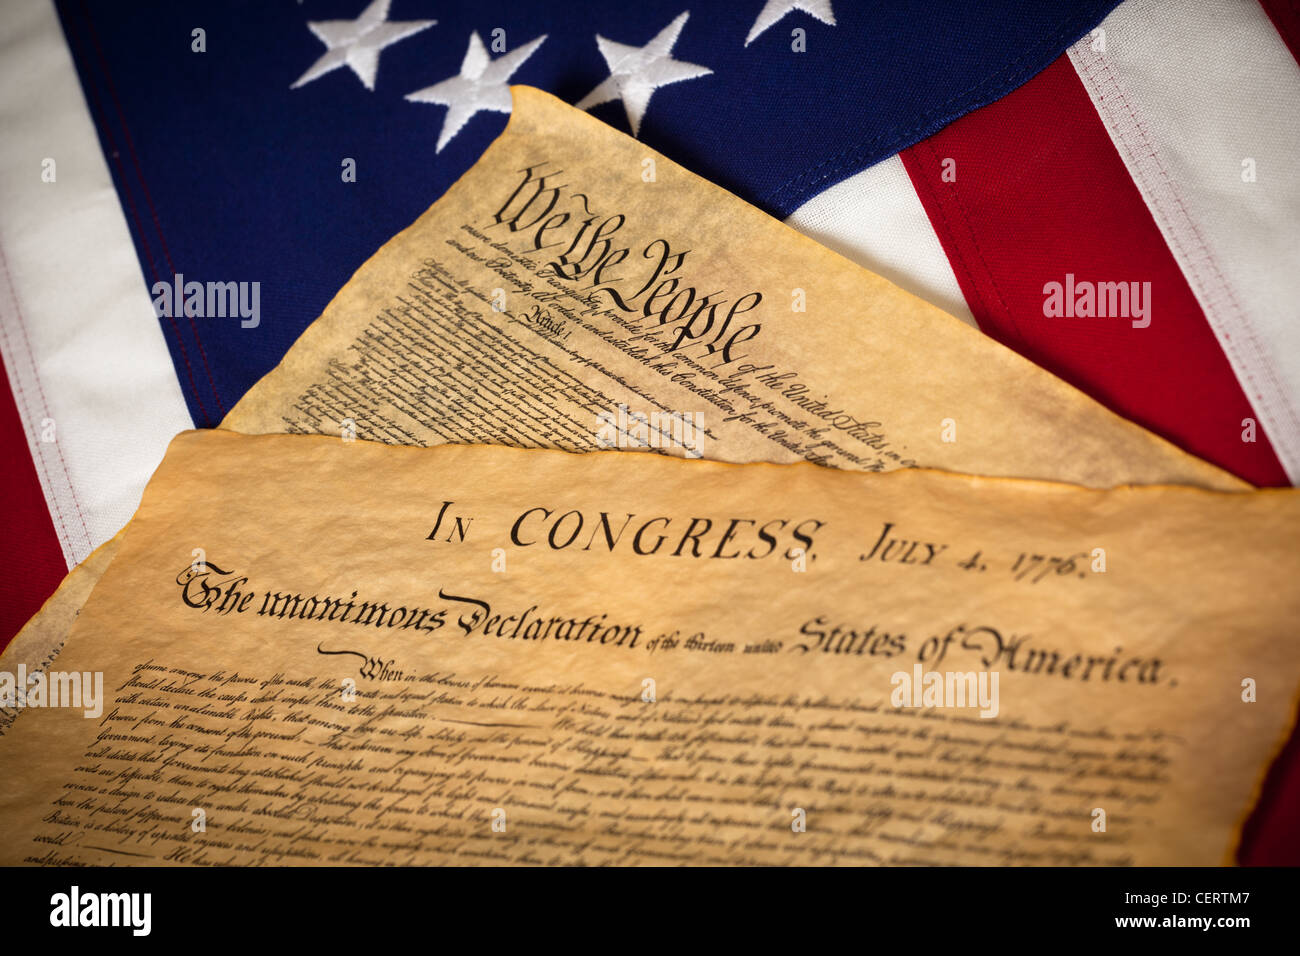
[
  {"x": 774, "y": 10},
  {"x": 635, "y": 72},
  {"x": 483, "y": 84},
  {"x": 356, "y": 43}
]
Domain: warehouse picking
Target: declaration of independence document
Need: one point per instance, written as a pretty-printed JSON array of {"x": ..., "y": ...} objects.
[
  {"x": 475, "y": 654},
  {"x": 670, "y": 297}
]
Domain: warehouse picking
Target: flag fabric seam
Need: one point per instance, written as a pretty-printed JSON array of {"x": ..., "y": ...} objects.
[
  {"x": 1231, "y": 323},
  {"x": 23, "y": 397},
  {"x": 102, "y": 121}
]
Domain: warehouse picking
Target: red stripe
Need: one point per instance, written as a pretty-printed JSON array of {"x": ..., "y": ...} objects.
[
  {"x": 29, "y": 548},
  {"x": 1285, "y": 15},
  {"x": 1040, "y": 192}
]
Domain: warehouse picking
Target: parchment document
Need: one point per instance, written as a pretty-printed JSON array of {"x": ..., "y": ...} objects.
[
  {"x": 322, "y": 651},
  {"x": 577, "y": 290}
]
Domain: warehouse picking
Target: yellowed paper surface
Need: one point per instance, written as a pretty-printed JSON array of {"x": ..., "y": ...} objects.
[{"x": 615, "y": 658}]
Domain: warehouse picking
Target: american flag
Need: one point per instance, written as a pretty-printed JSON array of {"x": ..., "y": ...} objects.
[{"x": 975, "y": 154}]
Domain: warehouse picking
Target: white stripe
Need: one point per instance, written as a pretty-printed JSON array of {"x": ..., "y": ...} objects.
[
  {"x": 81, "y": 345},
  {"x": 1187, "y": 92},
  {"x": 876, "y": 219}
]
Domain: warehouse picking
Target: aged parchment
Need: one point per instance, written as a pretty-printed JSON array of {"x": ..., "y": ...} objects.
[
  {"x": 637, "y": 659},
  {"x": 411, "y": 350}
]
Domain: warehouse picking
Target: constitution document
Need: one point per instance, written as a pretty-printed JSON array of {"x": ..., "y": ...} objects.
[
  {"x": 576, "y": 290},
  {"x": 315, "y": 650}
]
